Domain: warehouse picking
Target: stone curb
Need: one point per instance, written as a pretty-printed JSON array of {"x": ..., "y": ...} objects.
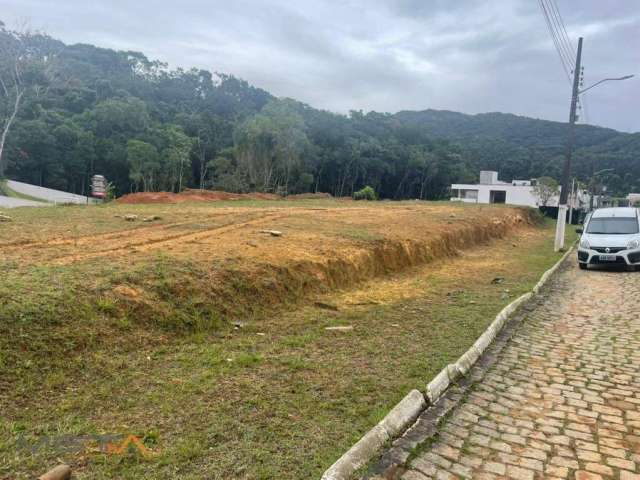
[
  {"x": 394, "y": 423},
  {"x": 452, "y": 372},
  {"x": 404, "y": 414}
]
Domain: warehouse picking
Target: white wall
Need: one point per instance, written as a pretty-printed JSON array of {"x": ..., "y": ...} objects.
[
  {"x": 521, "y": 195},
  {"x": 633, "y": 198},
  {"x": 515, "y": 194}
]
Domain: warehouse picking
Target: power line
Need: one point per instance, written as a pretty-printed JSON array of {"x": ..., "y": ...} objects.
[
  {"x": 564, "y": 47},
  {"x": 554, "y": 37},
  {"x": 562, "y": 42},
  {"x": 563, "y": 31},
  {"x": 566, "y": 65}
]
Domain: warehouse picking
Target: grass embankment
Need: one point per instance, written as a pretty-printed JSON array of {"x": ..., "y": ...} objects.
[{"x": 277, "y": 396}]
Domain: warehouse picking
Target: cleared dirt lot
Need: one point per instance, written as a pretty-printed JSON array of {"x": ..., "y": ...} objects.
[
  {"x": 311, "y": 229},
  {"x": 324, "y": 245},
  {"x": 207, "y": 338}
]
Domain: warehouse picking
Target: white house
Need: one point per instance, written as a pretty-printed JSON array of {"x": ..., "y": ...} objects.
[
  {"x": 634, "y": 199},
  {"x": 517, "y": 192}
]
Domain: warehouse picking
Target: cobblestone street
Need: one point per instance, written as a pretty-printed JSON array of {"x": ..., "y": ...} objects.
[{"x": 563, "y": 398}]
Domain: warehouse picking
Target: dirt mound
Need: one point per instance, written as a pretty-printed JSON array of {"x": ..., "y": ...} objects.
[
  {"x": 148, "y": 197},
  {"x": 212, "y": 195},
  {"x": 192, "y": 195}
]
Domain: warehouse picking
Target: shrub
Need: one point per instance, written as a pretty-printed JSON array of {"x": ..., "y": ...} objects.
[{"x": 367, "y": 193}]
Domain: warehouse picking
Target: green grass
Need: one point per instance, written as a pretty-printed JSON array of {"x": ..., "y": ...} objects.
[{"x": 279, "y": 397}]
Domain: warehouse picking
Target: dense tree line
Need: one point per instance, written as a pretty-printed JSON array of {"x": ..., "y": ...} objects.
[{"x": 70, "y": 111}]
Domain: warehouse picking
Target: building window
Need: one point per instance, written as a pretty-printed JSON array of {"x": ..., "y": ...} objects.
[{"x": 469, "y": 194}]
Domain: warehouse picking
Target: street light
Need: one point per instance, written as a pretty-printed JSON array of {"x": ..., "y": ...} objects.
[
  {"x": 562, "y": 202},
  {"x": 626, "y": 77}
]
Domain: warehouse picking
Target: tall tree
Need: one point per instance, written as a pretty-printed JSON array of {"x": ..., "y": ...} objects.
[
  {"x": 143, "y": 164},
  {"x": 18, "y": 54}
]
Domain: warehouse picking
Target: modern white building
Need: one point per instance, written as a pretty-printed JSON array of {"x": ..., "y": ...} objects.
[
  {"x": 517, "y": 192},
  {"x": 634, "y": 199}
]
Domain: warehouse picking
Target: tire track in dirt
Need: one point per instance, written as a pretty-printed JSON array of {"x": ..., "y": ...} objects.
[
  {"x": 24, "y": 244},
  {"x": 65, "y": 250},
  {"x": 91, "y": 239},
  {"x": 151, "y": 244},
  {"x": 84, "y": 239}
]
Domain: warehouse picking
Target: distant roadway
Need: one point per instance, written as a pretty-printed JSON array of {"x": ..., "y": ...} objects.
[
  {"x": 47, "y": 196},
  {"x": 10, "y": 202}
]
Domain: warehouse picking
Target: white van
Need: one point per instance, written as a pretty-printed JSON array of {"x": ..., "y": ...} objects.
[{"x": 610, "y": 236}]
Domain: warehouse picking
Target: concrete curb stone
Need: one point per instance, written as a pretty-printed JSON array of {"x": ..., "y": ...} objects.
[{"x": 394, "y": 423}]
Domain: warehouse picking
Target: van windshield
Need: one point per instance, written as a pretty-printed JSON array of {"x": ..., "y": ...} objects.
[{"x": 613, "y": 226}]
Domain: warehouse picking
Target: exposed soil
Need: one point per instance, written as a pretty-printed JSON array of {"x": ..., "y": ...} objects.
[
  {"x": 338, "y": 244},
  {"x": 192, "y": 195},
  {"x": 223, "y": 261}
]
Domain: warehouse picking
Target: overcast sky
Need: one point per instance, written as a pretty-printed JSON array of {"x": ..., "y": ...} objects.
[{"x": 386, "y": 55}]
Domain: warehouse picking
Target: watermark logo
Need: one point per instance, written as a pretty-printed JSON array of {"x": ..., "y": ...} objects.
[
  {"x": 115, "y": 444},
  {"x": 130, "y": 444}
]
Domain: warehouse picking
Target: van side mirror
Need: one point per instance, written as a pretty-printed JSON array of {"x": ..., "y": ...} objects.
[{"x": 580, "y": 230}]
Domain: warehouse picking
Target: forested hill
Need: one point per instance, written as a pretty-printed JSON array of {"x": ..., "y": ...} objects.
[
  {"x": 85, "y": 110},
  {"x": 524, "y": 131},
  {"x": 523, "y": 147}
]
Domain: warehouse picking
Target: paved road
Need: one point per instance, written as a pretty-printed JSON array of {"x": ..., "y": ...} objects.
[
  {"x": 46, "y": 194},
  {"x": 563, "y": 399},
  {"x": 10, "y": 202}
]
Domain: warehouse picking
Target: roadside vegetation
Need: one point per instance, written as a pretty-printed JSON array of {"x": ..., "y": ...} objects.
[
  {"x": 209, "y": 342},
  {"x": 367, "y": 193}
]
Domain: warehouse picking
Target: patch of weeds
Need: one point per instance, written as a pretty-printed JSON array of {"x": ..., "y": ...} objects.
[
  {"x": 360, "y": 234},
  {"x": 248, "y": 359},
  {"x": 215, "y": 357},
  {"x": 184, "y": 315},
  {"x": 107, "y": 305},
  {"x": 299, "y": 341},
  {"x": 189, "y": 448},
  {"x": 377, "y": 414},
  {"x": 295, "y": 363},
  {"x": 151, "y": 438},
  {"x": 124, "y": 322},
  {"x": 198, "y": 337},
  {"x": 164, "y": 282}
]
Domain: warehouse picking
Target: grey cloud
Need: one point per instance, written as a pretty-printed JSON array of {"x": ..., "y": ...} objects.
[{"x": 384, "y": 55}]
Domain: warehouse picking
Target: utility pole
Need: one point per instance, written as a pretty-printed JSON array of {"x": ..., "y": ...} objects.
[
  {"x": 572, "y": 201},
  {"x": 566, "y": 173}
]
